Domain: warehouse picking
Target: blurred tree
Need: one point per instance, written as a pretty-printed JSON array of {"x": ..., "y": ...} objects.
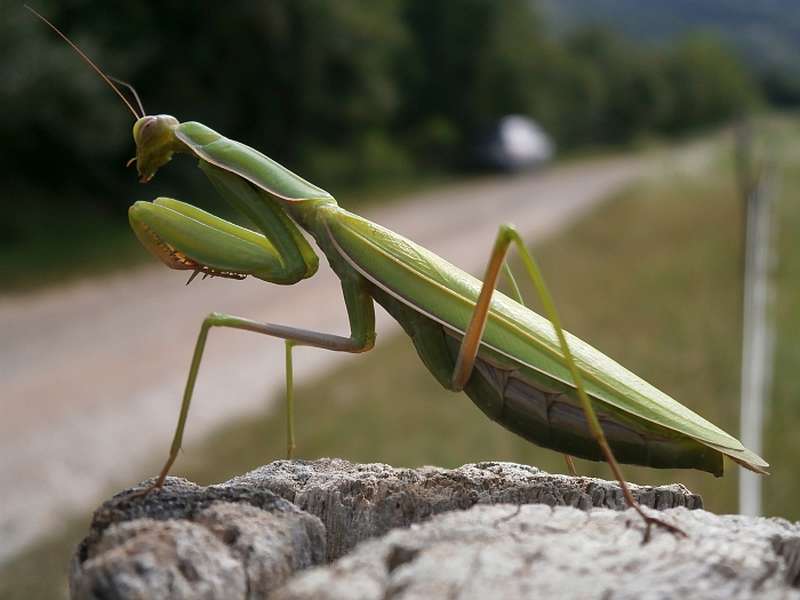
[
  {"x": 278, "y": 75},
  {"x": 635, "y": 98},
  {"x": 781, "y": 88},
  {"x": 467, "y": 67},
  {"x": 710, "y": 86}
]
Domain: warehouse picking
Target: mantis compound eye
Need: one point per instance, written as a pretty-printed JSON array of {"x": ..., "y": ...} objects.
[{"x": 144, "y": 129}]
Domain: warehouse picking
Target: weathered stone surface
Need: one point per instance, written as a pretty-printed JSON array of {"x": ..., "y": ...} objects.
[
  {"x": 244, "y": 539},
  {"x": 185, "y": 541},
  {"x": 270, "y": 546},
  {"x": 360, "y": 501},
  {"x": 537, "y": 551},
  {"x": 151, "y": 559}
]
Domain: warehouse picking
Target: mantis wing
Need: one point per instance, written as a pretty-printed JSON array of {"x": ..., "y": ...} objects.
[
  {"x": 446, "y": 294},
  {"x": 247, "y": 162}
]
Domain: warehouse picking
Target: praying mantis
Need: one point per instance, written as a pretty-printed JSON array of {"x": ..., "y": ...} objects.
[{"x": 521, "y": 369}]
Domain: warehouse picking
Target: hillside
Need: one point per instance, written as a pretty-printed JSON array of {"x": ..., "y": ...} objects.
[{"x": 767, "y": 33}]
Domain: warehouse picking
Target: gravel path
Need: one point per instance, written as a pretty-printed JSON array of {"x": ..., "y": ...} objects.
[{"x": 92, "y": 372}]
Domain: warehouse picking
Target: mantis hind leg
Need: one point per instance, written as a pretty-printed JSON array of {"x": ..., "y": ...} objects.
[
  {"x": 518, "y": 297},
  {"x": 472, "y": 339}
]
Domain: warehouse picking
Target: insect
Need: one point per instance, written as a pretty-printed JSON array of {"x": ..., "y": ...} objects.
[{"x": 521, "y": 369}]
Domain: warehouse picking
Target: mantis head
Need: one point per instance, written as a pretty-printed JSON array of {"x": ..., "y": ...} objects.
[
  {"x": 154, "y": 134},
  {"x": 155, "y": 140}
]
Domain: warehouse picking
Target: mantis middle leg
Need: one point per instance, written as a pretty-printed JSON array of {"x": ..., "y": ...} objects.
[{"x": 472, "y": 339}]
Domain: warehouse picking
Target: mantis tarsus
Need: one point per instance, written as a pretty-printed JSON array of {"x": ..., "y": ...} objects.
[{"x": 522, "y": 370}]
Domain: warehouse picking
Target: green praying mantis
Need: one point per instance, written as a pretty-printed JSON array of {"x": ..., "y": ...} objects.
[{"x": 521, "y": 369}]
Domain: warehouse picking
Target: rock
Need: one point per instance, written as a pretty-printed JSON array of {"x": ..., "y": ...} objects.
[
  {"x": 537, "y": 551},
  {"x": 186, "y": 541},
  {"x": 360, "y": 501},
  {"x": 147, "y": 559},
  {"x": 245, "y": 539}
]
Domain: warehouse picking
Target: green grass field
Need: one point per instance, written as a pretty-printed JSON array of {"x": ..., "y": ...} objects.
[{"x": 651, "y": 278}]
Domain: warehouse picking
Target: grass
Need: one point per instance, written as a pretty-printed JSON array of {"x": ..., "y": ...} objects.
[
  {"x": 651, "y": 278},
  {"x": 42, "y": 571}
]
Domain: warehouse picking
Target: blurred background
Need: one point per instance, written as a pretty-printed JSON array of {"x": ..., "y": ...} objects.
[{"x": 621, "y": 165}]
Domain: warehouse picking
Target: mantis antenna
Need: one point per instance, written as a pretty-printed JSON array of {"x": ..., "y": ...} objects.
[
  {"x": 132, "y": 90},
  {"x": 89, "y": 62}
]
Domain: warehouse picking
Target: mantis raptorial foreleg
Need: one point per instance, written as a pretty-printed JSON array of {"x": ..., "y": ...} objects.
[
  {"x": 362, "y": 323},
  {"x": 472, "y": 339}
]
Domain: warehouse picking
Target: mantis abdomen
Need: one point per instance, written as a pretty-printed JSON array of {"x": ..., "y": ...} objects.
[{"x": 546, "y": 412}]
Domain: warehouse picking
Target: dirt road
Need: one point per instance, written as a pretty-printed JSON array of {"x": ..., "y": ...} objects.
[{"x": 92, "y": 373}]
